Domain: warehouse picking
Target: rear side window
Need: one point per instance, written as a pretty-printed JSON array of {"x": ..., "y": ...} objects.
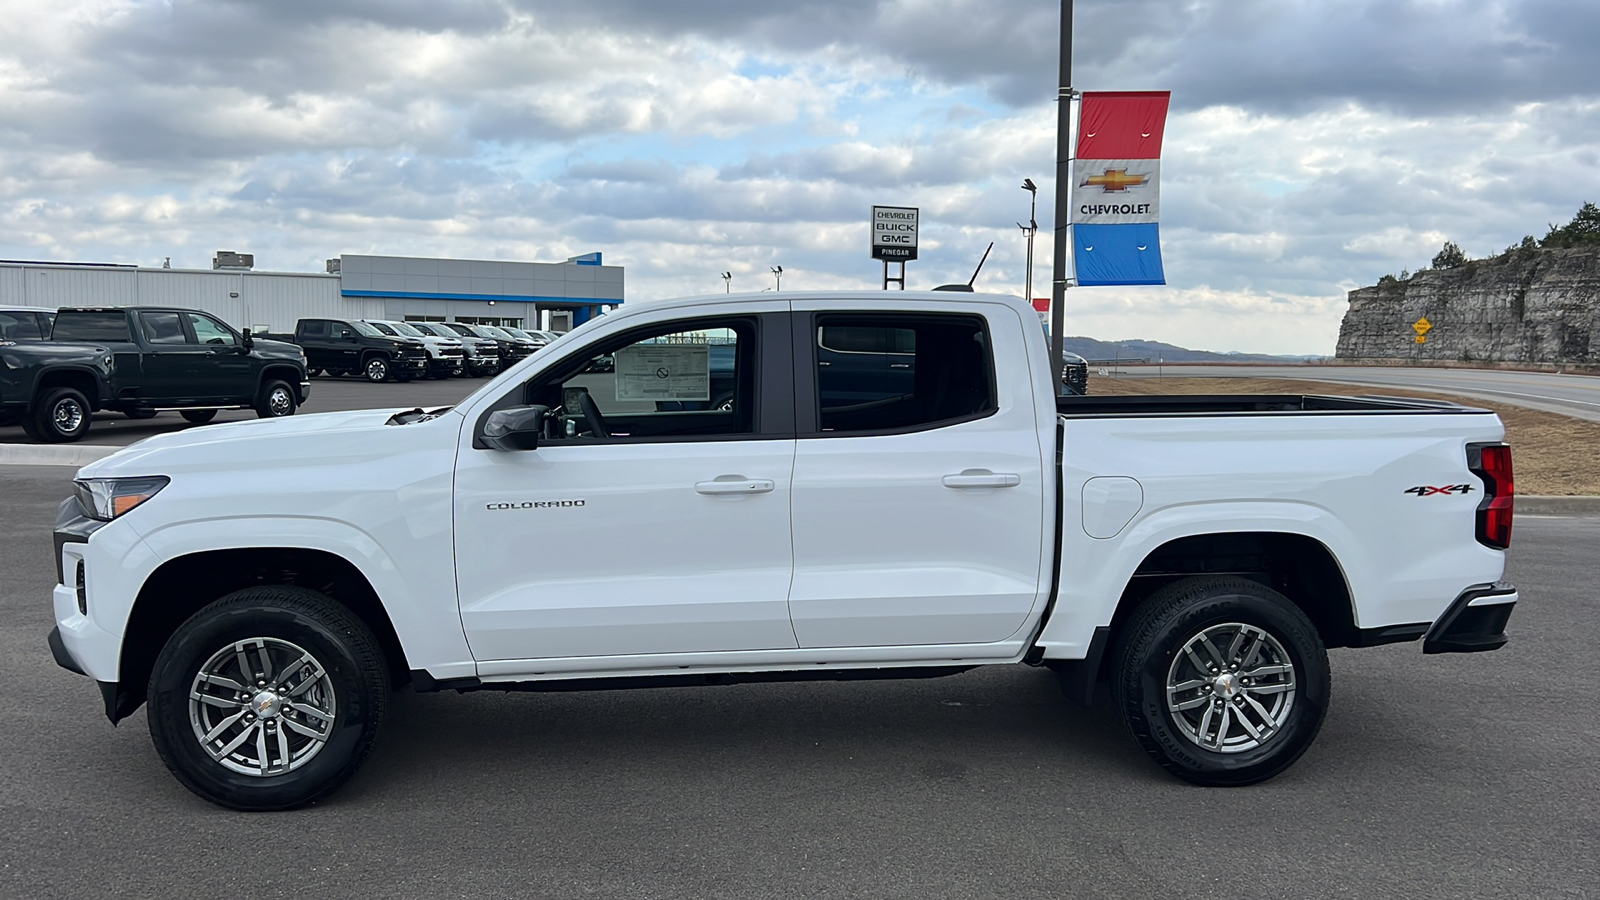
[
  {"x": 161, "y": 328},
  {"x": 111, "y": 326},
  {"x": 20, "y": 326},
  {"x": 897, "y": 372},
  {"x": 314, "y": 329}
]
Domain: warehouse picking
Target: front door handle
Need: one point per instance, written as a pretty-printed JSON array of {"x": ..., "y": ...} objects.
[
  {"x": 735, "y": 484},
  {"x": 982, "y": 478}
]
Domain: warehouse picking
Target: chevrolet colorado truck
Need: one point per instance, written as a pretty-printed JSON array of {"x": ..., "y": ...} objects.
[
  {"x": 262, "y": 587},
  {"x": 142, "y": 361}
]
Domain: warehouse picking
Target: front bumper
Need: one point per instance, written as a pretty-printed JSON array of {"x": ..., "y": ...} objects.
[
  {"x": 1475, "y": 621},
  {"x": 305, "y": 393},
  {"x": 483, "y": 364}
]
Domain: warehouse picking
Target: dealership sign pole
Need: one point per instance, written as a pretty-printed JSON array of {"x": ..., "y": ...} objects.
[
  {"x": 1058, "y": 280},
  {"x": 894, "y": 239}
]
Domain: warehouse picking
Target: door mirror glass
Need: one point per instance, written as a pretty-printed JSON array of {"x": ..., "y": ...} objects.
[{"x": 518, "y": 428}]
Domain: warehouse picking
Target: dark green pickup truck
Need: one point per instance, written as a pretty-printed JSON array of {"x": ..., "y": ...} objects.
[{"x": 140, "y": 361}]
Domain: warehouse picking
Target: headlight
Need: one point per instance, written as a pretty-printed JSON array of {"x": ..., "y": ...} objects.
[{"x": 107, "y": 498}]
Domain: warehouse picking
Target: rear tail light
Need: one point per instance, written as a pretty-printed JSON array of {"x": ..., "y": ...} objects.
[{"x": 1492, "y": 463}]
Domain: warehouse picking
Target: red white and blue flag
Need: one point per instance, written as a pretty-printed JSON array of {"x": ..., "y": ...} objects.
[{"x": 1116, "y": 192}]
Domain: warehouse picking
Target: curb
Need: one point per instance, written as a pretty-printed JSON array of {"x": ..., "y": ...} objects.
[
  {"x": 53, "y": 454},
  {"x": 1536, "y": 505}
]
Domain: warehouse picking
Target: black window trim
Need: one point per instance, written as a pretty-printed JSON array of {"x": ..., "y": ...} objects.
[
  {"x": 773, "y": 387},
  {"x": 808, "y": 395}
]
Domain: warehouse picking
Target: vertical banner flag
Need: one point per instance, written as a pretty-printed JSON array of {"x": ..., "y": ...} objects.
[{"x": 1116, "y": 195}]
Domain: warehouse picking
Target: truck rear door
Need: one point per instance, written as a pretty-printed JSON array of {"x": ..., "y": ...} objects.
[{"x": 919, "y": 492}]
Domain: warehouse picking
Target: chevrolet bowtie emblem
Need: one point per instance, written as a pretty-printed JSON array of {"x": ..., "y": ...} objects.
[{"x": 1115, "y": 180}]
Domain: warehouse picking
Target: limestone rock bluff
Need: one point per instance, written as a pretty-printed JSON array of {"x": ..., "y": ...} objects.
[{"x": 1526, "y": 306}]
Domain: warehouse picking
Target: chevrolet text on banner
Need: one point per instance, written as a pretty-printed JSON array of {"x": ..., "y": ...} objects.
[{"x": 1116, "y": 195}]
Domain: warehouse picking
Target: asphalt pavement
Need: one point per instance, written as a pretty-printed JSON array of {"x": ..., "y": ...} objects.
[
  {"x": 1434, "y": 776},
  {"x": 1572, "y": 395}
]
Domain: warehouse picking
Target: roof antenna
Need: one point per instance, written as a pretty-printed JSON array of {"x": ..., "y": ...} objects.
[{"x": 967, "y": 288}]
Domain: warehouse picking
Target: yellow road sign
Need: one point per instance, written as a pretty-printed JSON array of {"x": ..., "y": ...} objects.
[
  {"x": 1421, "y": 339},
  {"x": 1422, "y": 326}
]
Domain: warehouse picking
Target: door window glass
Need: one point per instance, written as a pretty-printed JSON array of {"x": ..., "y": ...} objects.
[
  {"x": 679, "y": 383},
  {"x": 19, "y": 326},
  {"x": 893, "y": 372},
  {"x": 209, "y": 331},
  {"x": 162, "y": 328}
]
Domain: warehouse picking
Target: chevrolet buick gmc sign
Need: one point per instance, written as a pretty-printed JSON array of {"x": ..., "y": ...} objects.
[{"x": 894, "y": 233}]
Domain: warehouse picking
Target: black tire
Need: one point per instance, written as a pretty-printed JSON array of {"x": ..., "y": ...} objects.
[
  {"x": 139, "y": 414},
  {"x": 376, "y": 369},
  {"x": 356, "y": 680},
  {"x": 276, "y": 400},
  {"x": 199, "y": 416},
  {"x": 59, "y": 416},
  {"x": 723, "y": 403},
  {"x": 1148, "y": 657}
]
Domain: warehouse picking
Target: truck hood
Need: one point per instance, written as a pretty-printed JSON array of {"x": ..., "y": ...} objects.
[{"x": 260, "y": 444}]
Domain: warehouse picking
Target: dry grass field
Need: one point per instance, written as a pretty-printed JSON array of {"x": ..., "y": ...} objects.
[{"x": 1554, "y": 454}]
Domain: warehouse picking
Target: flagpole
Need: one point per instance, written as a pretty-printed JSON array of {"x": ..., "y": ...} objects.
[{"x": 1058, "y": 286}]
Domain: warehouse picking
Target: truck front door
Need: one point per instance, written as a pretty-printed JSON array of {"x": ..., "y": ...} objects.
[
  {"x": 225, "y": 374},
  {"x": 171, "y": 371},
  {"x": 645, "y": 522},
  {"x": 919, "y": 500}
]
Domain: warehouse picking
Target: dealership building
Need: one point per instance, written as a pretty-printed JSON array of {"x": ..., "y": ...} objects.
[{"x": 544, "y": 296}]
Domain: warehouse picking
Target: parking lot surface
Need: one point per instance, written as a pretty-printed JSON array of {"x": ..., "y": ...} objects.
[{"x": 1441, "y": 776}]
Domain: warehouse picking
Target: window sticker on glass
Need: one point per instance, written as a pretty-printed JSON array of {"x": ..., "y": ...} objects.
[{"x": 664, "y": 372}]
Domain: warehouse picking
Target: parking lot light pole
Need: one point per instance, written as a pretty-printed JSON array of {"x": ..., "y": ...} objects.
[
  {"x": 777, "y": 274},
  {"x": 1030, "y": 229},
  {"x": 727, "y": 282}
]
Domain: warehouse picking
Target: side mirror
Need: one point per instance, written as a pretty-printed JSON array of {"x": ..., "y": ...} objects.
[
  {"x": 518, "y": 428},
  {"x": 348, "y": 335},
  {"x": 247, "y": 341}
]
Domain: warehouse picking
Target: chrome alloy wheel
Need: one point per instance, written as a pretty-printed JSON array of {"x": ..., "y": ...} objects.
[
  {"x": 67, "y": 415},
  {"x": 262, "y": 706},
  {"x": 1231, "y": 688},
  {"x": 280, "y": 402}
]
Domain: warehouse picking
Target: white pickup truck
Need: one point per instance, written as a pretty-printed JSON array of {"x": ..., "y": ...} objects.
[{"x": 894, "y": 489}]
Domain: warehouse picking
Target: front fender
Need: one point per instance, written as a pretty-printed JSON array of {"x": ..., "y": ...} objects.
[{"x": 421, "y": 606}]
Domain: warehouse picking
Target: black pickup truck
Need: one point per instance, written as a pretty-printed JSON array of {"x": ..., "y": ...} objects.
[
  {"x": 351, "y": 346},
  {"x": 141, "y": 361}
]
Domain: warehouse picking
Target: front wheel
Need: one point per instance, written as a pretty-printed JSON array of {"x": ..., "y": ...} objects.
[
  {"x": 267, "y": 699},
  {"x": 376, "y": 370},
  {"x": 276, "y": 400},
  {"x": 1223, "y": 681},
  {"x": 139, "y": 414},
  {"x": 198, "y": 416}
]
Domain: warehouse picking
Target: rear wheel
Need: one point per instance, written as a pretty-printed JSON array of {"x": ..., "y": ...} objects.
[
  {"x": 199, "y": 416},
  {"x": 60, "y": 415},
  {"x": 276, "y": 400},
  {"x": 267, "y": 699},
  {"x": 1223, "y": 681},
  {"x": 139, "y": 413},
  {"x": 376, "y": 370}
]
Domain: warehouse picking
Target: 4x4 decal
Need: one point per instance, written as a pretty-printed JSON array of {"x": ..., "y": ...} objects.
[{"x": 1424, "y": 491}]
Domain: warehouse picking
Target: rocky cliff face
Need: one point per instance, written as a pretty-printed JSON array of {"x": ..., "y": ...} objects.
[{"x": 1527, "y": 306}]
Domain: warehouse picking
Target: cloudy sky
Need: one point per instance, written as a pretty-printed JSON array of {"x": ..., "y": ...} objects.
[{"x": 1314, "y": 144}]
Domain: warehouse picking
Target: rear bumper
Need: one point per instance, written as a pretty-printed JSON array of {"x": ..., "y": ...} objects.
[{"x": 1475, "y": 621}]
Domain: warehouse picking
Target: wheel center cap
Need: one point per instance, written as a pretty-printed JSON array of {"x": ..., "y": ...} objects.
[
  {"x": 1225, "y": 685},
  {"x": 266, "y": 704}
]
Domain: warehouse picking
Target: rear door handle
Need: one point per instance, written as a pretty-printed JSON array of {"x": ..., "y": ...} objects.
[
  {"x": 982, "y": 478},
  {"x": 735, "y": 484}
]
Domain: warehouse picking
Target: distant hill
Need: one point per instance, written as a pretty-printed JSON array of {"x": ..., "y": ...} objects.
[{"x": 1155, "y": 351}]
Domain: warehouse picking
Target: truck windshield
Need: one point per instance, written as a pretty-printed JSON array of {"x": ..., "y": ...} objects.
[
  {"x": 491, "y": 331},
  {"x": 363, "y": 328},
  {"x": 407, "y": 330},
  {"x": 383, "y": 327},
  {"x": 518, "y": 333},
  {"x": 91, "y": 325}
]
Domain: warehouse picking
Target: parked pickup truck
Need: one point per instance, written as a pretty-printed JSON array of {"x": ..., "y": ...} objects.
[
  {"x": 264, "y": 586},
  {"x": 352, "y": 347},
  {"x": 141, "y": 361}
]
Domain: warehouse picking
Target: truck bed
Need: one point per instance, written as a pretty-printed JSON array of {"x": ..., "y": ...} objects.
[{"x": 1250, "y": 404}]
